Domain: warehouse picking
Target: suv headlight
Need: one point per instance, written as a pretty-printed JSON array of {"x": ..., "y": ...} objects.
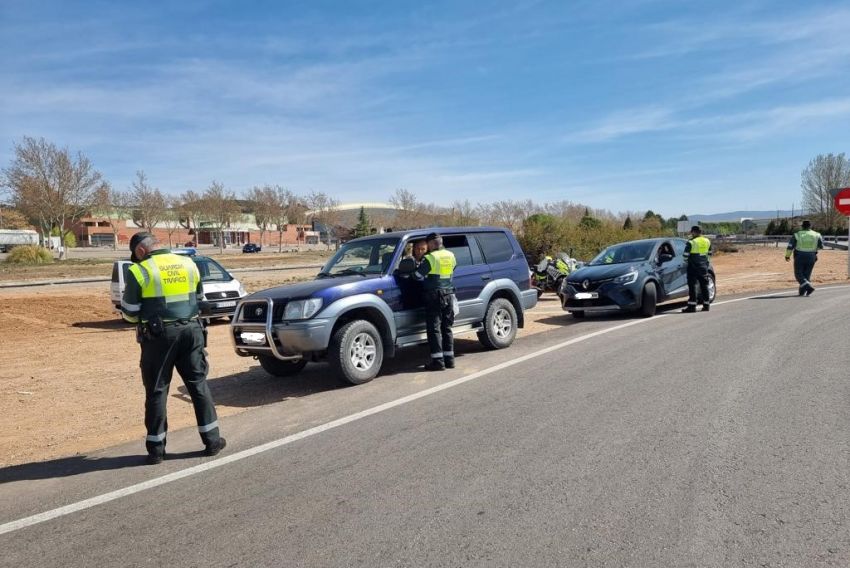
[
  {"x": 627, "y": 278},
  {"x": 302, "y": 309},
  {"x": 242, "y": 291}
]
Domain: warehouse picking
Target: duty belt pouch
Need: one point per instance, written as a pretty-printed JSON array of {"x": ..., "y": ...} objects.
[{"x": 156, "y": 326}]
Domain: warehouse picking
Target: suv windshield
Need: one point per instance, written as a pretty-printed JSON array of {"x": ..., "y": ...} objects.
[
  {"x": 626, "y": 252},
  {"x": 210, "y": 270},
  {"x": 372, "y": 256}
]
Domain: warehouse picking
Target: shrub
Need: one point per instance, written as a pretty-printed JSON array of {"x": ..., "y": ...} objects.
[{"x": 29, "y": 254}]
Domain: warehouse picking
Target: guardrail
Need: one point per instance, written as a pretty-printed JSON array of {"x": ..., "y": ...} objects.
[{"x": 96, "y": 279}]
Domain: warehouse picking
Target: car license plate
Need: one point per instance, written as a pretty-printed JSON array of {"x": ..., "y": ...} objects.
[
  {"x": 586, "y": 295},
  {"x": 252, "y": 338},
  {"x": 230, "y": 304}
]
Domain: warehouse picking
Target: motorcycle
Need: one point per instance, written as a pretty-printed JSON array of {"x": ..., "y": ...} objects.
[{"x": 548, "y": 274}]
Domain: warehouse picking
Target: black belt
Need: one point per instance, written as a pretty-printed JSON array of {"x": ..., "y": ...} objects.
[{"x": 179, "y": 322}]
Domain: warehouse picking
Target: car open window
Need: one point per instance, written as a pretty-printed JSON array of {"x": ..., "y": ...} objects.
[
  {"x": 459, "y": 246},
  {"x": 679, "y": 247},
  {"x": 496, "y": 246}
]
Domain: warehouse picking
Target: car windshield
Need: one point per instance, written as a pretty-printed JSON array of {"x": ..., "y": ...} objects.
[
  {"x": 372, "y": 256},
  {"x": 211, "y": 271},
  {"x": 623, "y": 253}
]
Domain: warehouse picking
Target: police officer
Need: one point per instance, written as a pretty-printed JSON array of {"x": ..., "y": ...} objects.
[
  {"x": 804, "y": 244},
  {"x": 697, "y": 251},
  {"x": 436, "y": 270},
  {"x": 161, "y": 297}
]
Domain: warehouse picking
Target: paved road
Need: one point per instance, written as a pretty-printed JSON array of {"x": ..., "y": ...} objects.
[{"x": 715, "y": 439}]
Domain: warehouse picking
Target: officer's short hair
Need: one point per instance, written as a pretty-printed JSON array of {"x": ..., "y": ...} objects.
[
  {"x": 696, "y": 229},
  {"x": 435, "y": 237},
  {"x": 807, "y": 224}
]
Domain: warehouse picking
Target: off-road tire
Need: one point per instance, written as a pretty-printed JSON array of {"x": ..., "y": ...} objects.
[
  {"x": 649, "y": 300},
  {"x": 356, "y": 352},
  {"x": 274, "y": 366},
  {"x": 500, "y": 324}
]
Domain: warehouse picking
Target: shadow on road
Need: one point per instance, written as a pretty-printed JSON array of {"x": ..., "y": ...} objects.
[
  {"x": 110, "y": 325},
  {"x": 78, "y": 465}
]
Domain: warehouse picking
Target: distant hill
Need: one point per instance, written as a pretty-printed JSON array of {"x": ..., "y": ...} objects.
[{"x": 738, "y": 215}]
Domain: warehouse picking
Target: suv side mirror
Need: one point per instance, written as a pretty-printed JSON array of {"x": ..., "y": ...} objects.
[
  {"x": 664, "y": 257},
  {"x": 406, "y": 266}
]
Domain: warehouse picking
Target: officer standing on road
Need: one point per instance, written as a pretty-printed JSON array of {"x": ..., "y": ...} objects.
[
  {"x": 697, "y": 251},
  {"x": 161, "y": 296},
  {"x": 436, "y": 270},
  {"x": 805, "y": 245}
]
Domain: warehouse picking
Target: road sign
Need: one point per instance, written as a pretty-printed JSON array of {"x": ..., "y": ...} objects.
[{"x": 842, "y": 200}]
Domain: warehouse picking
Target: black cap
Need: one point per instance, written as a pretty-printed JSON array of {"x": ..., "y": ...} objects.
[
  {"x": 696, "y": 229},
  {"x": 134, "y": 242},
  {"x": 432, "y": 236},
  {"x": 807, "y": 224}
]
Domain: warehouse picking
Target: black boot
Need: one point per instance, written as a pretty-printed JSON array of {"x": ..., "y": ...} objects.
[
  {"x": 705, "y": 307},
  {"x": 689, "y": 310},
  {"x": 449, "y": 362},
  {"x": 214, "y": 449},
  {"x": 435, "y": 365}
]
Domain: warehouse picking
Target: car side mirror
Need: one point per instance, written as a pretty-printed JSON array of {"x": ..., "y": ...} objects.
[
  {"x": 406, "y": 267},
  {"x": 664, "y": 257}
]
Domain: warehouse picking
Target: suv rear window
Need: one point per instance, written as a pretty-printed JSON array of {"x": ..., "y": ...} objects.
[{"x": 496, "y": 247}]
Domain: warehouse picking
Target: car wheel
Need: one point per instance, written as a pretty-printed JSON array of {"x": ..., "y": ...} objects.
[
  {"x": 649, "y": 300},
  {"x": 578, "y": 315},
  {"x": 500, "y": 325},
  {"x": 712, "y": 289},
  {"x": 356, "y": 352},
  {"x": 274, "y": 366}
]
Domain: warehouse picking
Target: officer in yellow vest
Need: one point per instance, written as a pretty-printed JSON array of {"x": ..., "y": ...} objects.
[
  {"x": 804, "y": 244},
  {"x": 436, "y": 270},
  {"x": 697, "y": 251},
  {"x": 161, "y": 297}
]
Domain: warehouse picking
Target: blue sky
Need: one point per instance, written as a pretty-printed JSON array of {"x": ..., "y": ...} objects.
[{"x": 695, "y": 107}]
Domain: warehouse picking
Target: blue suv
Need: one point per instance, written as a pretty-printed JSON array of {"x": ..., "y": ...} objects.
[{"x": 362, "y": 308}]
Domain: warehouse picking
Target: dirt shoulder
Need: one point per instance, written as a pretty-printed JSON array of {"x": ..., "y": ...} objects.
[{"x": 69, "y": 376}]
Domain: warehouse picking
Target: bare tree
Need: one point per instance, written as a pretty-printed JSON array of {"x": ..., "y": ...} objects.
[
  {"x": 171, "y": 218},
  {"x": 325, "y": 210},
  {"x": 220, "y": 209},
  {"x": 823, "y": 173},
  {"x": 191, "y": 212},
  {"x": 409, "y": 210},
  {"x": 112, "y": 205},
  {"x": 149, "y": 205},
  {"x": 296, "y": 214},
  {"x": 50, "y": 186},
  {"x": 279, "y": 199},
  {"x": 463, "y": 214},
  {"x": 508, "y": 214},
  {"x": 262, "y": 201}
]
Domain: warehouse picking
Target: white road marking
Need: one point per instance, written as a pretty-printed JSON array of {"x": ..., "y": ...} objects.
[{"x": 244, "y": 454}]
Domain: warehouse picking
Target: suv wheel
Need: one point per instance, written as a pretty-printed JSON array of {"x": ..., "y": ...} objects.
[
  {"x": 712, "y": 289},
  {"x": 649, "y": 300},
  {"x": 274, "y": 366},
  {"x": 356, "y": 352},
  {"x": 500, "y": 325}
]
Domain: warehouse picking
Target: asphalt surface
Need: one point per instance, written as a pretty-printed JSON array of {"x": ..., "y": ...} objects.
[{"x": 716, "y": 439}]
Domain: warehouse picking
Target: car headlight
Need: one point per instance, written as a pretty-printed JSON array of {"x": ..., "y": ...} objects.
[
  {"x": 302, "y": 309},
  {"x": 242, "y": 291},
  {"x": 627, "y": 278}
]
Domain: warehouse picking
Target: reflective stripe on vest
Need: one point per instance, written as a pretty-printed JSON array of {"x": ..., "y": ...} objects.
[
  {"x": 700, "y": 246},
  {"x": 442, "y": 263},
  {"x": 807, "y": 241},
  {"x": 168, "y": 284}
]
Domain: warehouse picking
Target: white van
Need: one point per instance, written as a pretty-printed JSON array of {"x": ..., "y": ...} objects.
[{"x": 221, "y": 290}]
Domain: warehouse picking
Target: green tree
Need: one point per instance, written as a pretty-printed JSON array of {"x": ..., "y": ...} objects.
[
  {"x": 362, "y": 228},
  {"x": 627, "y": 225}
]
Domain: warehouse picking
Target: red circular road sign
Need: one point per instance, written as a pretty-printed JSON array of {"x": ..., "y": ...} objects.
[{"x": 842, "y": 201}]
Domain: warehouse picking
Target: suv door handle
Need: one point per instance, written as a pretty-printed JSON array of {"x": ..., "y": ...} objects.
[{"x": 485, "y": 277}]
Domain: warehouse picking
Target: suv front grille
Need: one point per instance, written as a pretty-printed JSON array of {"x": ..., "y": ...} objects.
[
  {"x": 221, "y": 295},
  {"x": 254, "y": 312}
]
